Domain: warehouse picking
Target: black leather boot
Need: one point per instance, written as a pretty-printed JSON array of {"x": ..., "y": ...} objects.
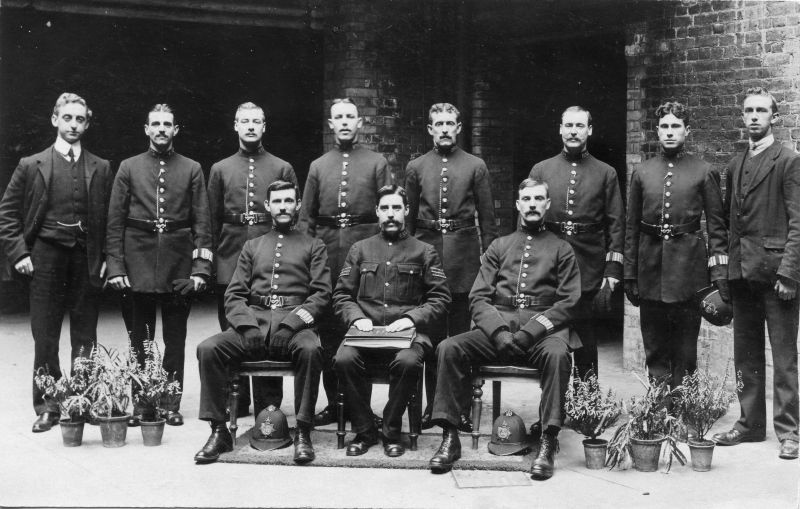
[
  {"x": 303, "y": 449},
  {"x": 449, "y": 452},
  {"x": 220, "y": 441},
  {"x": 542, "y": 467}
]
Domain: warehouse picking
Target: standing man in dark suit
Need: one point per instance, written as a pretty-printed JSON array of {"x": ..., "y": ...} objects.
[
  {"x": 763, "y": 199},
  {"x": 237, "y": 190},
  {"x": 159, "y": 242},
  {"x": 587, "y": 212},
  {"x": 339, "y": 208},
  {"x": 53, "y": 229},
  {"x": 447, "y": 188},
  {"x": 666, "y": 257},
  {"x": 522, "y": 303}
]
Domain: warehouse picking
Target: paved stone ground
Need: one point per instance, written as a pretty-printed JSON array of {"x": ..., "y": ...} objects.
[{"x": 36, "y": 470}]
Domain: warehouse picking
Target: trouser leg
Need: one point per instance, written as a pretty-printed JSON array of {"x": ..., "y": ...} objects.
[
  {"x": 174, "y": 316},
  {"x": 126, "y": 308},
  {"x": 457, "y": 322},
  {"x": 782, "y": 322},
  {"x": 551, "y": 357},
  {"x": 748, "y": 356},
  {"x": 305, "y": 351},
  {"x": 143, "y": 317},
  {"x": 215, "y": 356},
  {"x": 331, "y": 337},
  {"x": 653, "y": 317},
  {"x": 404, "y": 372},
  {"x": 82, "y": 300},
  {"x": 350, "y": 366},
  {"x": 586, "y": 326},
  {"x": 684, "y": 325}
]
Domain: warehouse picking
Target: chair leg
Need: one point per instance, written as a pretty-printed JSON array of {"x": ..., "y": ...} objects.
[
  {"x": 477, "y": 393},
  {"x": 340, "y": 431},
  {"x": 233, "y": 407},
  {"x": 496, "y": 399},
  {"x": 415, "y": 414}
]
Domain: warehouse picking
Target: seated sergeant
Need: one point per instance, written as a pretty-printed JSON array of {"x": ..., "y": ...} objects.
[
  {"x": 277, "y": 293},
  {"x": 390, "y": 279},
  {"x": 521, "y": 302}
]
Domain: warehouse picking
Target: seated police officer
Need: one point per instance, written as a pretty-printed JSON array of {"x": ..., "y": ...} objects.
[
  {"x": 521, "y": 302},
  {"x": 390, "y": 279},
  {"x": 277, "y": 293}
]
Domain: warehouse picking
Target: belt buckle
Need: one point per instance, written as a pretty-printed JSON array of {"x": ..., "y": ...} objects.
[
  {"x": 521, "y": 301},
  {"x": 160, "y": 227},
  {"x": 344, "y": 222},
  {"x": 444, "y": 225},
  {"x": 569, "y": 228},
  {"x": 275, "y": 301},
  {"x": 666, "y": 231},
  {"x": 249, "y": 218}
]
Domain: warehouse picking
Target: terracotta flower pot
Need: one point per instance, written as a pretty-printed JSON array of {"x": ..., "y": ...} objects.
[
  {"x": 71, "y": 432},
  {"x": 701, "y": 453},
  {"x": 152, "y": 432},
  {"x": 594, "y": 449},
  {"x": 113, "y": 430},
  {"x": 645, "y": 453}
]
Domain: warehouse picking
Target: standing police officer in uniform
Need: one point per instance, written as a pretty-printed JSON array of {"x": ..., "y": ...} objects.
[
  {"x": 587, "y": 212},
  {"x": 236, "y": 197},
  {"x": 666, "y": 258},
  {"x": 52, "y": 228},
  {"x": 338, "y": 207},
  {"x": 279, "y": 290},
  {"x": 390, "y": 279},
  {"x": 522, "y": 303},
  {"x": 446, "y": 188},
  {"x": 158, "y": 242}
]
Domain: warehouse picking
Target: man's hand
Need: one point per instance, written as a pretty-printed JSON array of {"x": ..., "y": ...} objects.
[
  {"x": 401, "y": 324},
  {"x": 611, "y": 282},
  {"x": 24, "y": 266},
  {"x": 504, "y": 342},
  {"x": 724, "y": 289},
  {"x": 183, "y": 287},
  {"x": 363, "y": 324},
  {"x": 602, "y": 301},
  {"x": 253, "y": 340},
  {"x": 279, "y": 343},
  {"x": 786, "y": 289},
  {"x": 119, "y": 282},
  {"x": 632, "y": 291},
  {"x": 103, "y": 270},
  {"x": 199, "y": 283},
  {"x": 523, "y": 340}
]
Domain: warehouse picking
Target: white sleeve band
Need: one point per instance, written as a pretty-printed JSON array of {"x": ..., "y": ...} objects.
[
  {"x": 305, "y": 316},
  {"x": 717, "y": 260},
  {"x": 613, "y": 256},
  {"x": 545, "y": 322},
  {"x": 203, "y": 253}
]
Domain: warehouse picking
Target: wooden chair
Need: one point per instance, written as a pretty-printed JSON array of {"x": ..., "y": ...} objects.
[
  {"x": 249, "y": 369},
  {"x": 497, "y": 374}
]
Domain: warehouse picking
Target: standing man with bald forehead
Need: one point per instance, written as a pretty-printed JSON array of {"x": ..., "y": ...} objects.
[
  {"x": 339, "y": 208},
  {"x": 237, "y": 189},
  {"x": 587, "y": 212}
]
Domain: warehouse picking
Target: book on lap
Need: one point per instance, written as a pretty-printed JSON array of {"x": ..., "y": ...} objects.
[{"x": 379, "y": 338}]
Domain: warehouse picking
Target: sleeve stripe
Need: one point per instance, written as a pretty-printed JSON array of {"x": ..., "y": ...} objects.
[
  {"x": 305, "y": 316},
  {"x": 613, "y": 256},
  {"x": 545, "y": 322},
  {"x": 203, "y": 253},
  {"x": 718, "y": 260}
]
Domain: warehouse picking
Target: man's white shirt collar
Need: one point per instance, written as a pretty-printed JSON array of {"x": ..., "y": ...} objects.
[
  {"x": 62, "y": 147},
  {"x": 756, "y": 147}
]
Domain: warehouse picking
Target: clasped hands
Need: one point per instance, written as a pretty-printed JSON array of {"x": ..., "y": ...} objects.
[{"x": 512, "y": 344}]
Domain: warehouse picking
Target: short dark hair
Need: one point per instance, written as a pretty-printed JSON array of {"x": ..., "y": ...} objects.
[
  {"x": 343, "y": 100},
  {"x": 763, "y": 92},
  {"x": 443, "y": 108},
  {"x": 533, "y": 183},
  {"x": 67, "y": 98},
  {"x": 280, "y": 185},
  {"x": 577, "y": 109},
  {"x": 392, "y": 189},
  {"x": 161, "y": 107},
  {"x": 675, "y": 108}
]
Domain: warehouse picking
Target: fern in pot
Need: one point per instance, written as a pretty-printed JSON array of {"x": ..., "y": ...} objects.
[
  {"x": 71, "y": 394},
  {"x": 590, "y": 412},
  {"x": 109, "y": 389},
  {"x": 151, "y": 385}
]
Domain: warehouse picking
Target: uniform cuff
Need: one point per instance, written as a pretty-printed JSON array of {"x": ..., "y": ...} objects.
[
  {"x": 717, "y": 260},
  {"x": 203, "y": 253}
]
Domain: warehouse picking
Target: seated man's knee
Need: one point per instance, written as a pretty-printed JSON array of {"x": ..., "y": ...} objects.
[
  {"x": 346, "y": 359},
  {"x": 407, "y": 360},
  {"x": 207, "y": 349}
]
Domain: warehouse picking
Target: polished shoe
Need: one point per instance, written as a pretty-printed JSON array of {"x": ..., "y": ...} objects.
[
  {"x": 543, "y": 465},
  {"x": 326, "y": 416},
  {"x": 362, "y": 442},
  {"x": 536, "y": 431},
  {"x": 303, "y": 449},
  {"x": 465, "y": 424},
  {"x": 220, "y": 441},
  {"x": 174, "y": 418},
  {"x": 788, "y": 449},
  {"x": 449, "y": 452},
  {"x": 393, "y": 448},
  {"x": 45, "y": 421},
  {"x": 735, "y": 437},
  {"x": 134, "y": 421}
]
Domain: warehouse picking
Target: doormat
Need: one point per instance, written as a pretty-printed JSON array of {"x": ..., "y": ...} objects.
[{"x": 327, "y": 455}]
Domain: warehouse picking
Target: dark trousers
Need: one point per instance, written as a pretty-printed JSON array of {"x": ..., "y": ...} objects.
[
  {"x": 458, "y": 322},
  {"x": 752, "y": 305},
  {"x": 331, "y": 333},
  {"x": 217, "y": 354},
  {"x": 174, "y": 314},
  {"x": 586, "y": 325},
  {"x": 405, "y": 367},
  {"x": 669, "y": 334},
  {"x": 267, "y": 390},
  {"x": 60, "y": 283},
  {"x": 455, "y": 356}
]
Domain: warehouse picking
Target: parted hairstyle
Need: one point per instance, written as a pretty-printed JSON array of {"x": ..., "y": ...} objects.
[
  {"x": 250, "y": 106},
  {"x": 764, "y": 92},
  {"x": 68, "y": 97},
  {"x": 578, "y": 109},
  {"x": 161, "y": 107},
  {"x": 343, "y": 100},
  {"x": 533, "y": 183},
  {"x": 443, "y": 108},
  {"x": 280, "y": 185},
  {"x": 678, "y": 109},
  {"x": 392, "y": 189}
]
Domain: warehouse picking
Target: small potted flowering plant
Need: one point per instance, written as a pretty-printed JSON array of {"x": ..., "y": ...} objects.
[
  {"x": 109, "y": 389},
  {"x": 70, "y": 393},
  {"x": 151, "y": 386},
  {"x": 590, "y": 412}
]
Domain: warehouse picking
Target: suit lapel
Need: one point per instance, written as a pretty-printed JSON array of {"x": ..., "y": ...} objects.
[
  {"x": 90, "y": 164},
  {"x": 45, "y": 166},
  {"x": 765, "y": 166}
]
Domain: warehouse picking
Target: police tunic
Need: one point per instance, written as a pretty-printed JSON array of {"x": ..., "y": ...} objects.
[
  {"x": 587, "y": 205},
  {"x": 445, "y": 190},
  {"x": 237, "y": 188},
  {"x": 665, "y": 250},
  {"x": 158, "y": 222}
]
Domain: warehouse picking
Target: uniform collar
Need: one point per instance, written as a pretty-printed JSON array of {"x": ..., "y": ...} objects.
[
  {"x": 349, "y": 148},
  {"x": 569, "y": 157},
  {"x": 449, "y": 152},
  {"x": 400, "y": 236},
  {"x": 674, "y": 156},
  {"x": 249, "y": 153},
  {"x": 161, "y": 155},
  {"x": 523, "y": 228},
  {"x": 62, "y": 147},
  {"x": 756, "y": 147}
]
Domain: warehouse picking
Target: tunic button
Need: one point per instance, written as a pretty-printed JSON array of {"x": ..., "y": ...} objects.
[
  {"x": 280, "y": 236},
  {"x": 669, "y": 174},
  {"x": 252, "y": 203},
  {"x": 444, "y": 189},
  {"x": 252, "y": 160},
  {"x": 524, "y": 265},
  {"x": 385, "y": 284},
  {"x": 572, "y": 202},
  {"x": 444, "y": 159},
  {"x": 278, "y": 255},
  {"x": 161, "y": 179},
  {"x": 571, "y": 191},
  {"x": 344, "y": 172},
  {"x": 666, "y": 216},
  {"x": 344, "y": 204},
  {"x": 574, "y": 164},
  {"x": 573, "y": 172},
  {"x": 527, "y": 247},
  {"x": 279, "y": 245},
  {"x": 251, "y": 167},
  {"x": 344, "y": 182},
  {"x": 161, "y": 200},
  {"x": 277, "y": 276},
  {"x": 344, "y": 193},
  {"x": 444, "y": 211},
  {"x": 444, "y": 179},
  {"x": 666, "y": 204},
  {"x": 527, "y": 255},
  {"x": 390, "y": 243},
  {"x": 162, "y": 163},
  {"x": 569, "y": 212},
  {"x": 161, "y": 210},
  {"x": 524, "y": 274},
  {"x": 160, "y": 189},
  {"x": 671, "y": 165},
  {"x": 252, "y": 184},
  {"x": 345, "y": 164},
  {"x": 388, "y": 263},
  {"x": 345, "y": 155},
  {"x": 276, "y": 265},
  {"x": 530, "y": 238},
  {"x": 343, "y": 214},
  {"x": 444, "y": 200},
  {"x": 251, "y": 176},
  {"x": 275, "y": 287},
  {"x": 666, "y": 237},
  {"x": 386, "y": 305},
  {"x": 251, "y": 193},
  {"x": 572, "y": 181},
  {"x": 523, "y": 285},
  {"x": 668, "y": 184},
  {"x": 444, "y": 169},
  {"x": 668, "y": 193}
]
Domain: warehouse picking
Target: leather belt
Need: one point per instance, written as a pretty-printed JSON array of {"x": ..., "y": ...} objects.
[
  {"x": 345, "y": 221},
  {"x": 275, "y": 301},
  {"x": 665, "y": 231},
  {"x": 159, "y": 226},
  {"x": 522, "y": 301},
  {"x": 445, "y": 225},
  {"x": 249, "y": 218},
  {"x": 572, "y": 228}
]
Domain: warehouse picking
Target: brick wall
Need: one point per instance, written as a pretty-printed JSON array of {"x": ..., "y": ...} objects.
[{"x": 705, "y": 54}]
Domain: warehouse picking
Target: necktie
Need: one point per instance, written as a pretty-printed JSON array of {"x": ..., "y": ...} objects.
[{"x": 71, "y": 155}]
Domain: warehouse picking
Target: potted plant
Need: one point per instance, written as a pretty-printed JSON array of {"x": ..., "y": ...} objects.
[
  {"x": 704, "y": 399},
  {"x": 70, "y": 393},
  {"x": 109, "y": 387},
  {"x": 590, "y": 411},
  {"x": 150, "y": 386},
  {"x": 651, "y": 422}
]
